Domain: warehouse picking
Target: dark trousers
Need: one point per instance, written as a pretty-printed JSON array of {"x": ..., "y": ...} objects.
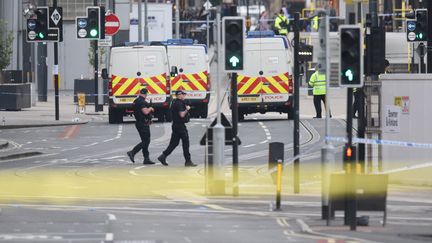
[
  {"x": 144, "y": 133},
  {"x": 317, "y": 103},
  {"x": 179, "y": 131},
  {"x": 356, "y": 105}
]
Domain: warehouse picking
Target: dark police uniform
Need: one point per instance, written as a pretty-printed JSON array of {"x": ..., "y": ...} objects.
[
  {"x": 142, "y": 124},
  {"x": 179, "y": 130}
]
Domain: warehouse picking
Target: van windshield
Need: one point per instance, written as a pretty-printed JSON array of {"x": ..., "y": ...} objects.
[
  {"x": 192, "y": 59},
  {"x": 269, "y": 56},
  {"x": 127, "y": 63}
]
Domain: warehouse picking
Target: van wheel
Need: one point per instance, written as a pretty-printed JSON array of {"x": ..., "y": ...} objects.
[
  {"x": 290, "y": 113},
  {"x": 204, "y": 111},
  {"x": 115, "y": 116}
]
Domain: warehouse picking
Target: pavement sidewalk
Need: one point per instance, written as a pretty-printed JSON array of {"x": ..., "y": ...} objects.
[{"x": 43, "y": 114}]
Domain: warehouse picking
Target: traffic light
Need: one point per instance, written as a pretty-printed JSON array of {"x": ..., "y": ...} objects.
[
  {"x": 375, "y": 51},
  {"x": 349, "y": 154},
  {"x": 233, "y": 29},
  {"x": 421, "y": 25},
  {"x": 37, "y": 27},
  {"x": 91, "y": 26},
  {"x": 350, "y": 63}
]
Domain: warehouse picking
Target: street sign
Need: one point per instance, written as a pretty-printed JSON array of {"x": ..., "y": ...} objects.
[
  {"x": 56, "y": 17},
  {"x": 112, "y": 24},
  {"x": 107, "y": 42},
  {"x": 56, "y": 20}
]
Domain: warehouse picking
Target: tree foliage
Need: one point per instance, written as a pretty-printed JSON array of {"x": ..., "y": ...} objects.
[{"x": 6, "y": 39}]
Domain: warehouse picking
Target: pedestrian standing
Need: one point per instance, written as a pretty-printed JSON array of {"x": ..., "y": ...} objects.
[
  {"x": 281, "y": 24},
  {"x": 318, "y": 82},
  {"x": 180, "y": 116},
  {"x": 143, "y": 116},
  {"x": 263, "y": 24}
]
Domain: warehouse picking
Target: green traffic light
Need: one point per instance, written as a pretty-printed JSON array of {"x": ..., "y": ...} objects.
[
  {"x": 349, "y": 74},
  {"x": 420, "y": 36},
  {"x": 41, "y": 35},
  {"x": 93, "y": 33},
  {"x": 234, "y": 61}
]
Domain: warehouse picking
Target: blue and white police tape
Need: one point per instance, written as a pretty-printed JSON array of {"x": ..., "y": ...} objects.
[{"x": 381, "y": 142}]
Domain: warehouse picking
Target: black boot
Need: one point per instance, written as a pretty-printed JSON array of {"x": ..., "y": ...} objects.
[
  {"x": 147, "y": 161},
  {"x": 162, "y": 159},
  {"x": 131, "y": 156},
  {"x": 190, "y": 164}
]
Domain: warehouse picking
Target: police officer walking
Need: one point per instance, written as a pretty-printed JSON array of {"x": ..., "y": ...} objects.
[
  {"x": 318, "y": 82},
  {"x": 180, "y": 116},
  {"x": 143, "y": 116}
]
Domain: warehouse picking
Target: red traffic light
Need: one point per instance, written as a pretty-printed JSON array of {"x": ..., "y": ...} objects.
[{"x": 348, "y": 152}]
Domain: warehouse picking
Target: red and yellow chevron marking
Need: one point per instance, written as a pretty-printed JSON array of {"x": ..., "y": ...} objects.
[
  {"x": 132, "y": 86},
  {"x": 262, "y": 85},
  {"x": 197, "y": 82}
]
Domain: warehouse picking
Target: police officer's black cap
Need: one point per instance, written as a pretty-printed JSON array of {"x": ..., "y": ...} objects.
[
  {"x": 143, "y": 91},
  {"x": 179, "y": 92}
]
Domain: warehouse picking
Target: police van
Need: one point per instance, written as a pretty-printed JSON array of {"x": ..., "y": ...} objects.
[
  {"x": 265, "y": 84},
  {"x": 190, "y": 62},
  {"x": 133, "y": 67}
]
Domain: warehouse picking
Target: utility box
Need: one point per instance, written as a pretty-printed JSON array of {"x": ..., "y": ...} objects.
[
  {"x": 15, "y": 96},
  {"x": 405, "y": 121}
]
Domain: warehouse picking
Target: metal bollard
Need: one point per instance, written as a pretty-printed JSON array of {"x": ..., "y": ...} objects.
[{"x": 278, "y": 185}]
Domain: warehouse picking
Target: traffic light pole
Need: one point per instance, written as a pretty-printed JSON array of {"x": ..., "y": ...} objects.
[
  {"x": 429, "y": 37},
  {"x": 350, "y": 169},
  {"x": 56, "y": 75},
  {"x": 96, "y": 68},
  {"x": 296, "y": 104},
  {"x": 42, "y": 76},
  {"x": 234, "y": 130}
]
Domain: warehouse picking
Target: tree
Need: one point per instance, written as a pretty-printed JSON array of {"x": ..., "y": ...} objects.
[{"x": 6, "y": 39}]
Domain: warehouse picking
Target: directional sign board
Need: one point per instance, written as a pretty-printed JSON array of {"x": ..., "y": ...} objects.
[{"x": 411, "y": 28}]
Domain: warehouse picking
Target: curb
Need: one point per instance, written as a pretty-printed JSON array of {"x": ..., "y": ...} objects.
[
  {"x": 21, "y": 155},
  {"x": 42, "y": 125}
]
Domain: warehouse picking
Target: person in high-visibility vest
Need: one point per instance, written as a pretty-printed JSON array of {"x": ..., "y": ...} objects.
[
  {"x": 281, "y": 24},
  {"x": 314, "y": 24},
  {"x": 318, "y": 82}
]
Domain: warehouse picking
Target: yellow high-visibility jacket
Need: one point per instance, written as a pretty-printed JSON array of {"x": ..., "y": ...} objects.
[{"x": 318, "y": 82}]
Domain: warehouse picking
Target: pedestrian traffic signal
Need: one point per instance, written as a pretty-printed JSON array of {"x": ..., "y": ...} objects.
[
  {"x": 350, "y": 62},
  {"x": 91, "y": 26},
  {"x": 233, "y": 29},
  {"x": 421, "y": 25}
]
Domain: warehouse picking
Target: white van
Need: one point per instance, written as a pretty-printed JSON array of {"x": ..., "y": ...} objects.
[
  {"x": 266, "y": 83},
  {"x": 193, "y": 73},
  {"x": 133, "y": 68}
]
